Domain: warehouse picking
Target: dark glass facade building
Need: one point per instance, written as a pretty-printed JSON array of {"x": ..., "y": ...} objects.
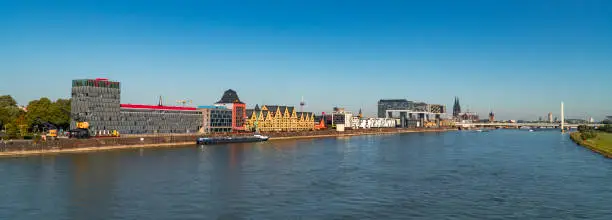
[
  {"x": 216, "y": 119},
  {"x": 231, "y": 101},
  {"x": 392, "y": 104}
]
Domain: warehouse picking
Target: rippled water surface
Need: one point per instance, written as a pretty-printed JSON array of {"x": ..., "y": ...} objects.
[{"x": 503, "y": 174}]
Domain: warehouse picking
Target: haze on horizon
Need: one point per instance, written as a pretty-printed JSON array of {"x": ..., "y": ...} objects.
[{"x": 517, "y": 58}]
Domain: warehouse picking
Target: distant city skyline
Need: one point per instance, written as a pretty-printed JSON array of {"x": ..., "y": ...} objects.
[{"x": 517, "y": 60}]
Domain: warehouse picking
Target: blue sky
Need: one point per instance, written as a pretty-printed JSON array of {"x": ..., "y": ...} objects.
[{"x": 517, "y": 58}]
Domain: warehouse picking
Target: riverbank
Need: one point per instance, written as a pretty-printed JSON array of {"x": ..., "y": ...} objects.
[
  {"x": 160, "y": 141},
  {"x": 602, "y": 144}
]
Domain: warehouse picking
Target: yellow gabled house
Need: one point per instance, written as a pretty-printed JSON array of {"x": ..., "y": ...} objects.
[{"x": 278, "y": 118}]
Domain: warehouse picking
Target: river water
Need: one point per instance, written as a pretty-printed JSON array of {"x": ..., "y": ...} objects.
[{"x": 502, "y": 174}]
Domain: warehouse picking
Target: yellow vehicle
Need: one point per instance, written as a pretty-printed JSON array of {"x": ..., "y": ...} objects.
[
  {"x": 81, "y": 131},
  {"x": 430, "y": 124},
  {"x": 82, "y": 125},
  {"x": 52, "y": 133}
]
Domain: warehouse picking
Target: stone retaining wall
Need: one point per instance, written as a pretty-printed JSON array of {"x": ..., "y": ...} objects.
[{"x": 60, "y": 144}]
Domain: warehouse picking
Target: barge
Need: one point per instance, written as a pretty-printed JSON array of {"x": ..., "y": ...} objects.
[{"x": 228, "y": 140}]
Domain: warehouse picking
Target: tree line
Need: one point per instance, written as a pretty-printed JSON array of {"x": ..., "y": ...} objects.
[
  {"x": 588, "y": 132},
  {"x": 18, "y": 123}
]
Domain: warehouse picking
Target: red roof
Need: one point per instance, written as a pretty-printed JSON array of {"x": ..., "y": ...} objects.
[{"x": 158, "y": 107}]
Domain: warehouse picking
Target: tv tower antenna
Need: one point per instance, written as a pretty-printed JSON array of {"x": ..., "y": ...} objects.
[{"x": 302, "y": 103}]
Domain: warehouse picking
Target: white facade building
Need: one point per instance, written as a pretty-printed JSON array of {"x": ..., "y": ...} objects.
[{"x": 377, "y": 123}]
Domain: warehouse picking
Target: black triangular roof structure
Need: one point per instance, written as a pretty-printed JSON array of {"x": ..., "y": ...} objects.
[{"x": 229, "y": 96}]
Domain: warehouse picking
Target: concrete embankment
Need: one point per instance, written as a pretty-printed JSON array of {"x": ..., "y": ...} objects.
[
  {"x": 25, "y": 148},
  {"x": 602, "y": 144}
]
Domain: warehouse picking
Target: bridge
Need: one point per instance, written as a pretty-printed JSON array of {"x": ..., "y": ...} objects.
[{"x": 519, "y": 125}]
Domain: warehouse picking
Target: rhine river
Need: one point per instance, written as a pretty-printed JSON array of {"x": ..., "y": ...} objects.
[{"x": 502, "y": 174}]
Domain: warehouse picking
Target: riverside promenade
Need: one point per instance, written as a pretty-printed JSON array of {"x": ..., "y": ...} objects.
[{"x": 63, "y": 145}]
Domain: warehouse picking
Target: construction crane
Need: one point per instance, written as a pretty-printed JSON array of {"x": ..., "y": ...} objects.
[{"x": 185, "y": 101}]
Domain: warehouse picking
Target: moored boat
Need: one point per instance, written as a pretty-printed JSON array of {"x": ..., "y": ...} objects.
[{"x": 226, "y": 140}]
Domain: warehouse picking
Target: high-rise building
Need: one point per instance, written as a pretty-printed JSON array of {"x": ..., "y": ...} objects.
[
  {"x": 96, "y": 101},
  {"x": 550, "y": 117},
  {"x": 456, "y": 107}
]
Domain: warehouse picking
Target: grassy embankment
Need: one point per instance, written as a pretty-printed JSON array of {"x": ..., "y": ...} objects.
[{"x": 601, "y": 144}]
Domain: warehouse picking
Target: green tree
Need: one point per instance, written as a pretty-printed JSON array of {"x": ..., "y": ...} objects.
[
  {"x": 38, "y": 110},
  {"x": 60, "y": 113},
  {"x": 8, "y": 110},
  {"x": 7, "y": 101},
  {"x": 4, "y": 117},
  {"x": 583, "y": 128},
  {"x": 606, "y": 128},
  {"x": 12, "y": 131},
  {"x": 585, "y": 135}
]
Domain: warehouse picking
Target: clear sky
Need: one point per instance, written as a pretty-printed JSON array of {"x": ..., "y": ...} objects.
[{"x": 517, "y": 58}]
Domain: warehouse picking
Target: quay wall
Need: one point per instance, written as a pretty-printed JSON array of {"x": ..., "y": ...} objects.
[{"x": 64, "y": 145}]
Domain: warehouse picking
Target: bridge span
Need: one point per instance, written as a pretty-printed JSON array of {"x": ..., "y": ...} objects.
[{"x": 537, "y": 125}]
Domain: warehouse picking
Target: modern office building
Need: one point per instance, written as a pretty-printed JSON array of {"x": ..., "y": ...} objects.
[
  {"x": 231, "y": 101},
  {"x": 410, "y": 113},
  {"x": 392, "y": 104},
  {"x": 97, "y": 101},
  {"x": 366, "y": 123},
  {"x": 215, "y": 119}
]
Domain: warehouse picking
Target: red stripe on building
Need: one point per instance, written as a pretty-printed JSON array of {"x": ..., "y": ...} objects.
[{"x": 157, "y": 107}]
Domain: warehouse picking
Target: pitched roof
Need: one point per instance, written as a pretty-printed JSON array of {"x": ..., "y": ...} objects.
[
  {"x": 229, "y": 96},
  {"x": 306, "y": 114},
  {"x": 273, "y": 108}
]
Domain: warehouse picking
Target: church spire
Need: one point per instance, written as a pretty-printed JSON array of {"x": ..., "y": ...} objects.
[{"x": 456, "y": 107}]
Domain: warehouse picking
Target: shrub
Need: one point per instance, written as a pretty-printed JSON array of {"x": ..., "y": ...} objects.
[
  {"x": 606, "y": 128},
  {"x": 582, "y": 128},
  {"x": 585, "y": 135}
]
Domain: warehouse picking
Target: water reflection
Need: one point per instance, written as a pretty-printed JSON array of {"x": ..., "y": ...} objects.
[
  {"x": 91, "y": 190},
  {"x": 454, "y": 175}
]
